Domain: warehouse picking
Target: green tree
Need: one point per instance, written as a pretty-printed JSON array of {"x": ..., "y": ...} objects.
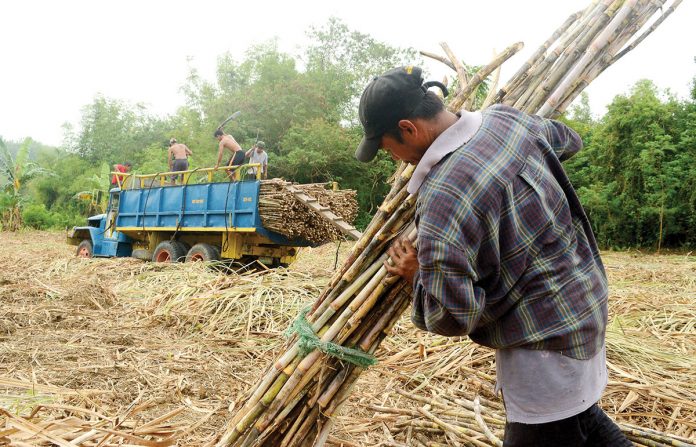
[
  {"x": 308, "y": 119},
  {"x": 341, "y": 62},
  {"x": 630, "y": 175},
  {"x": 319, "y": 151},
  {"x": 111, "y": 130}
]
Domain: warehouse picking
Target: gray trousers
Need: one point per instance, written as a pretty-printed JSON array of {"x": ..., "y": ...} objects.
[{"x": 180, "y": 164}]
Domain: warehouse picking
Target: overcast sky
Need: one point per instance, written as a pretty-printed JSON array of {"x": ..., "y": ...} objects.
[{"x": 55, "y": 56}]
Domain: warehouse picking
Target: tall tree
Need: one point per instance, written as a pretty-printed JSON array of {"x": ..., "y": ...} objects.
[
  {"x": 629, "y": 178},
  {"x": 343, "y": 61},
  {"x": 115, "y": 131}
]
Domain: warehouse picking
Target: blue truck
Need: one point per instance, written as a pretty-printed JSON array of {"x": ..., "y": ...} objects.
[{"x": 149, "y": 218}]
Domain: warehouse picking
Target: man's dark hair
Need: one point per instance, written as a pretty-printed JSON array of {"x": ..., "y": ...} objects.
[
  {"x": 128, "y": 163},
  {"x": 218, "y": 133},
  {"x": 429, "y": 107}
]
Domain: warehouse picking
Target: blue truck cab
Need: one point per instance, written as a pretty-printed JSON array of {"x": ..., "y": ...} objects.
[{"x": 154, "y": 220}]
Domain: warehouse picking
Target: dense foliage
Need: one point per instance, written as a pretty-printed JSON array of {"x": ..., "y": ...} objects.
[{"x": 636, "y": 176}]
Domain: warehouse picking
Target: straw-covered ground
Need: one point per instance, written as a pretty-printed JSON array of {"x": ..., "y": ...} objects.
[{"x": 121, "y": 352}]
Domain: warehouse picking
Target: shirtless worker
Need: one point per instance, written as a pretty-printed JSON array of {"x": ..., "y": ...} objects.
[
  {"x": 237, "y": 158},
  {"x": 177, "y": 158}
]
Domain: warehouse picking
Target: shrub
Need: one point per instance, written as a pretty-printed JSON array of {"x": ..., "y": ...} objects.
[{"x": 36, "y": 216}]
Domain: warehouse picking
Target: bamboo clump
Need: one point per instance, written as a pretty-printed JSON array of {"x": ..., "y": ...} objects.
[
  {"x": 294, "y": 402},
  {"x": 282, "y": 212}
]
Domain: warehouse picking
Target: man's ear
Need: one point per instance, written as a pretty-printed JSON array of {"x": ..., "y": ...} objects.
[{"x": 408, "y": 129}]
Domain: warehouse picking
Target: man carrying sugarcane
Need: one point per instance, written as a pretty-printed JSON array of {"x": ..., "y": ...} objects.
[{"x": 505, "y": 253}]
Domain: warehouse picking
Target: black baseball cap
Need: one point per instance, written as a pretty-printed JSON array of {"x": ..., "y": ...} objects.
[{"x": 387, "y": 99}]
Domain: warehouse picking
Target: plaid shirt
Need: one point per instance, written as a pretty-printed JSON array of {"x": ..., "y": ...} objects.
[{"x": 506, "y": 251}]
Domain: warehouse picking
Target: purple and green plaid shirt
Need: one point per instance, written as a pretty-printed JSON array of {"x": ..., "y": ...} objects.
[{"x": 506, "y": 251}]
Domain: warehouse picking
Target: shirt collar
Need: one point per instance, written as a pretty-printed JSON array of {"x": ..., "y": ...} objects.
[{"x": 448, "y": 141}]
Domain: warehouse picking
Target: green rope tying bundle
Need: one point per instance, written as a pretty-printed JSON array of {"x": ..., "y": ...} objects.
[{"x": 309, "y": 342}]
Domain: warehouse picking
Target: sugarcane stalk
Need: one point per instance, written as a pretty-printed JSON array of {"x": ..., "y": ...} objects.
[
  {"x": 361, "y": 297},
  {"x": 284, "y": 394},
  {"x": 492, "y": 89},
  {"x": 644, "y": 436},
  {"x": 521, "y": 73},
  {"x": 645, "y": 442},
  {"x": 233, "y": 433},
  {"x": 528, "y": 84},
  {"x": 465, "y": 94},
  {"x": 568, "y": 58},
  {"x": 520, "y": 97},
  {"x": 348, "y": 383},
  {"x": 396, "y": 307},
  {"x": 317, "y": 368},
  {"x": 302, "y": 372},
  {"x": 647, "y": 32},
  {"x": 461, "y": 431},
  {"x": 295, "y": 426},
  {"x": 323, "y": 435},
  {"x": 389, "y": 228},
  {"x": 554, "y": 100},
  {"x": 462, "y": 75},
  {"x": 393, "y": 200},
  {"x": 292, "y": 404},
  {"x": 486, "y": 431},
  {"x": 465, "y": 410},
  {"x": 438, "y": 58},
  {"x": 329, "y": 308},
  {"x": 307, "y": 424},
  {"x": 424, "y": 424}
]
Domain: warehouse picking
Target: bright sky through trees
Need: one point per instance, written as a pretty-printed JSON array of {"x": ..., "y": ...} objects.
[{"x": 57, "y": 55}]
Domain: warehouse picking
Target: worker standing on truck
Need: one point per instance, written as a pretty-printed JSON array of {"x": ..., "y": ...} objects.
[
  {"x": 125, "y": 167},
  {"x": 177, "y": 159},
  {"x": 258, "y": 155},
  {"x": 237, "y": 158},
  {"x": 505, "y": 253}
]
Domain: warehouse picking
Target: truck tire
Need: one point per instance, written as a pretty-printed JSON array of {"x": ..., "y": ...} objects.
[
  {"x": 142, "y": 254},
  {"x": 84, "y": 250},
  {"x": 203, "y": 252},
  {"x": 169, "y": 251}
]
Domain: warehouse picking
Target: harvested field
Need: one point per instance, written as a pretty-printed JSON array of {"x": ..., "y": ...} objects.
[{"x": 117, "y": 351}]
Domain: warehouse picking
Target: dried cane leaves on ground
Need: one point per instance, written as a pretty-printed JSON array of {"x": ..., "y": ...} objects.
[{"x": 119, "y": 351}]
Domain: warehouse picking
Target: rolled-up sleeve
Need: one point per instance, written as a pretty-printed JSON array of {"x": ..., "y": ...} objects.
[{"x": 445, "y": 299}]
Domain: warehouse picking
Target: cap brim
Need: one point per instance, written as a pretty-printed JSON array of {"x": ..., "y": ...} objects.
[{"x": 367, "y": 149}]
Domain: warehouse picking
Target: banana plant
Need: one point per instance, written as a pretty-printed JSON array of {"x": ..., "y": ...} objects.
[
  {"x": 97, "y": 190},
  {"x": 15, "y": 172}
]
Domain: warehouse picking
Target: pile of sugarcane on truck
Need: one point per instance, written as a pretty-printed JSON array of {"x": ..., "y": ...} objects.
[{"x": 203, "y": 219}]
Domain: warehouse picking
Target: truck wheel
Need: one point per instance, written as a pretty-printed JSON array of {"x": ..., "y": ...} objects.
[
  {"x": 169, "y": 251},
  {"x": 203, "y": 252},
  {"x": 84, "y": 250},
  {"x": 142, "y": 254}
]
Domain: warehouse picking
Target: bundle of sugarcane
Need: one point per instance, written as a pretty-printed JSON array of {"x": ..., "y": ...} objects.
[
  {"x": 293, "y": 403},
  {"x": 282, "y": 212}
]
